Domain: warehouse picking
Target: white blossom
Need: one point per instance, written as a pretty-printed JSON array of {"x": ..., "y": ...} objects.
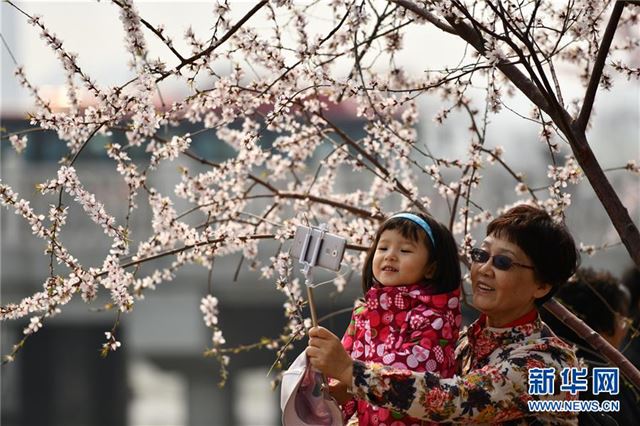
[
  {"x": 34, "y": 325},
  {"x": 209, "y": 309},
  {"x": 19, "y": 143}
]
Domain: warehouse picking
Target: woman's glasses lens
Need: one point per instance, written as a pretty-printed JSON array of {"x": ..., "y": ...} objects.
[
  {"x": 479, "y": 255},
  {"x": 499, "y": 261},
  {"x": 502, "y": 262}
]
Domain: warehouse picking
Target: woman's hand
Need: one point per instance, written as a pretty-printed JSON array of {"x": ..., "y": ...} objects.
[{"x": 326, "y": 353}]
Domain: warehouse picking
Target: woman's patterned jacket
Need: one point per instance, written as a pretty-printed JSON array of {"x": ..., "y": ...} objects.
[{"x": 492, "y": 385}]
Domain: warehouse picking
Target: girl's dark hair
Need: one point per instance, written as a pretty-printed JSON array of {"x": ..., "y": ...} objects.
[
  {"x": 447, "y": 276},
  {"x": 548, "y": 244}
]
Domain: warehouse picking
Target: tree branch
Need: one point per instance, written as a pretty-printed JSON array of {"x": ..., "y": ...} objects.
[
  {"x": 607, "y": 195},
  {"x": 595, "y": 340},
  {"x": 598, "y": 66},
  {"x": 156, "y": 32},
  {"x": 468, "y": 34},
  {"x": 315, "y": 199},
  {"x": 573, "y": 130},
  {"x": 424, "y": 14},
  {"x": 211, "y": 48}
]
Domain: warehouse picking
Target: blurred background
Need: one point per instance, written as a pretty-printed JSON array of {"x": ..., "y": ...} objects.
[{"x": 159, "y": 376}]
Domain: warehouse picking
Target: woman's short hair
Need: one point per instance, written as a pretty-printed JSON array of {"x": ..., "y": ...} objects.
[
  {"x": 548, "y": 244},
  {"x": 447, "y": 276}
]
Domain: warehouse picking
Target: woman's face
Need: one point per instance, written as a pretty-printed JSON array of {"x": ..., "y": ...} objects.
[
  {"x": 504, "y": 296},
  {"x": 400, "y": 261}
]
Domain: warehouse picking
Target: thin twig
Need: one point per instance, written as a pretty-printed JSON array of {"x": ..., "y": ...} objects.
[{"x": 598, "y": 66}]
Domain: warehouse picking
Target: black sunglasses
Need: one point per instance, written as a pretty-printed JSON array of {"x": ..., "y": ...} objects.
[{"x": 499, "y": 261}]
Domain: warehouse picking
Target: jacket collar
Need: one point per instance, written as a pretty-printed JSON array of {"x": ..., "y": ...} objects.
[
  {"x": 484, "y": 340},
  {"x": 527, "y": 318}
]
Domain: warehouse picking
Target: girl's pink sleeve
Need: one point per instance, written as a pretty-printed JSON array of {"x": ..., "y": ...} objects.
[{"x": 352, "y": 331}]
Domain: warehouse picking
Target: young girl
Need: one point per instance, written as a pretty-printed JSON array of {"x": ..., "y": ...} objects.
[{"x": 410, "y": 316}]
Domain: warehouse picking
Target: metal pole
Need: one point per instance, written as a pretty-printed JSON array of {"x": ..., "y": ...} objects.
[{"x": 312, "y": 306}]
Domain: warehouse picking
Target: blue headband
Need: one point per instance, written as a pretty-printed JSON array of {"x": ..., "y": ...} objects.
[{"x": 418, "y": 221}]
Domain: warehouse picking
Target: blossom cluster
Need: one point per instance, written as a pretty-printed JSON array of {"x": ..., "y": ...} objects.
[
  {"x": 561, "y": 176},
  {"x": 209, "y": 309},
  {"x": 111, "y": 345},
  {"x": 19, "y": 143}
]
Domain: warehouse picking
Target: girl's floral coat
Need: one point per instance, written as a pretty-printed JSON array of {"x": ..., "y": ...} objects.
[
  {"x": 491, "y": 387},
  {"x": 407, "y": 327}
]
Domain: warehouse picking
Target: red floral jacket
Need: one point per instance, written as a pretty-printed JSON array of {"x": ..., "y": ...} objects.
[
  {"x": 406, "y": 327},
  {"x": 491, "y": 386}
]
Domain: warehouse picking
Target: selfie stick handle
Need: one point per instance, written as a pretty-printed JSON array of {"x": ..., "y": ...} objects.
[
  {"x": 312, "y": 306},
  {"x": 310, "y": 264}
]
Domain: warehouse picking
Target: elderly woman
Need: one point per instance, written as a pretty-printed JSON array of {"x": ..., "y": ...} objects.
[{"x": 525, "y": 257}]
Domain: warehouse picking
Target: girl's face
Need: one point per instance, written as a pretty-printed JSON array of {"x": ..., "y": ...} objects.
[
  {"x": 400, "y": 261},
  {"x": 504, "y": 295}
]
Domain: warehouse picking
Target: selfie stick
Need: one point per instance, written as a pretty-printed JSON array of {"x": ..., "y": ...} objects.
[{"x": 306, "y": 270}]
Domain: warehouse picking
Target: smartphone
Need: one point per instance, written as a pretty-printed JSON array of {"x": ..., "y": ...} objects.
[{"x": 330, "y": 251}]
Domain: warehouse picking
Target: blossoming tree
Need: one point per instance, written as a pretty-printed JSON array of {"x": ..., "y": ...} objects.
[{"x": 284, "y": 81}]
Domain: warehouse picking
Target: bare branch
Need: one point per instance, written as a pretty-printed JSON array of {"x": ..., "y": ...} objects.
[
  {"x": 213, "y": 47},
  {"x": 426, "y": 15},
  {"x": 598, "y": 66},
  {"x": 156, "y": 32},
  {"x": 595, "y": 340},
  {"x": 467, "y": 33}
]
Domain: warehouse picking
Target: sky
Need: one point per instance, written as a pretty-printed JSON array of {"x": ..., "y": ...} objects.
[{"x": 94, "y": 31}]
